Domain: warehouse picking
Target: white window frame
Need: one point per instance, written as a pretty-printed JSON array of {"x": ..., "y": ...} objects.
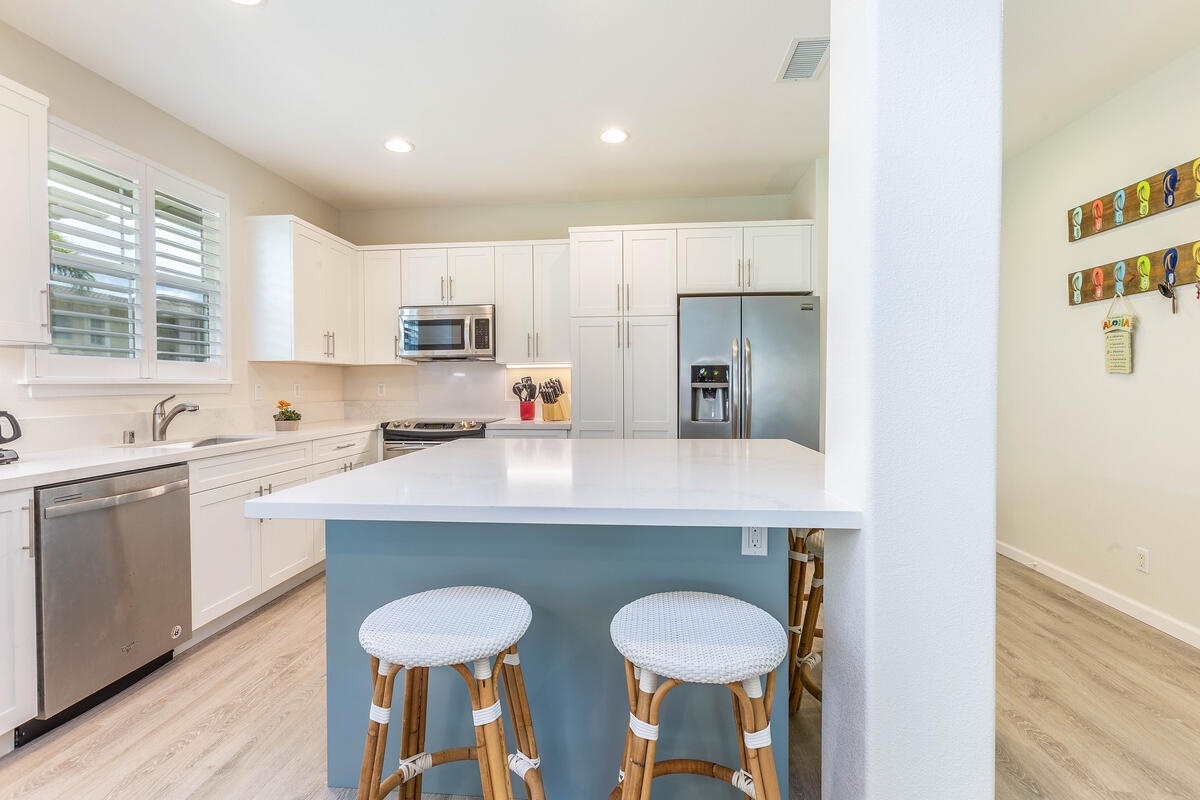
[{"x": 56, "y": 370}]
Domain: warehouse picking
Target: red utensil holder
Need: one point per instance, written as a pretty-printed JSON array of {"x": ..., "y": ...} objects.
[{"x": 526, "y": 410}]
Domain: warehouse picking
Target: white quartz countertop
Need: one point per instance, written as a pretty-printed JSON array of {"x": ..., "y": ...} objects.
[
  {"x": 661, "y": 482},
  {"x": 516, "y": 424},
  {"x": 59, "y": 466}
]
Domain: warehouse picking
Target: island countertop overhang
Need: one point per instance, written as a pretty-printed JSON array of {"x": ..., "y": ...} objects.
[{"x": 653, "y": 482}]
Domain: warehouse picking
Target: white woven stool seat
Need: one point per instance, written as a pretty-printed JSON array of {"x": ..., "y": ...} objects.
[
  {"x": 815, "y": 543},
  {"x": 699, "y": 637},
  {"x": 444, "y": 627}
]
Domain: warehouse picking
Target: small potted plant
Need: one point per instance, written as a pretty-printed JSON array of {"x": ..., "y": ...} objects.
[{"x": 286, "y": 417}]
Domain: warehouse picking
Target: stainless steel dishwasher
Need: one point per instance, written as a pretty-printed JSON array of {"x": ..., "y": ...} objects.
[{"x": 114, "y": 580}]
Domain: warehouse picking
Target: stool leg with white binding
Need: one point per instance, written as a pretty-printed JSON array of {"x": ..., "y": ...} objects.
[
  {"x": 383, "y": 676},
  {"x": 412, "y": 742},
  {"x": 798, "y": 560},
  {"x": 755, "y": 730},
  {"x": 525, "y": 763}
]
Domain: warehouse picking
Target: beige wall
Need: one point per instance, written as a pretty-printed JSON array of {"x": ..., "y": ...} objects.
[
  {"x": 1093, "y": 465},
  {"x": 546, "y": 221},
  {"x": 84, "y": 99}
]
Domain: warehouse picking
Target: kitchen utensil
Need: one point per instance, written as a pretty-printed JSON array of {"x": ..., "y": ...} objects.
[
  {"x": 1168, "y": 291},
  {"x": 8, "y": 456}
]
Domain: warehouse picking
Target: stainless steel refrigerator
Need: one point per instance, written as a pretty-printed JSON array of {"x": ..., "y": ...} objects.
[{"x": 749, "y": 367}]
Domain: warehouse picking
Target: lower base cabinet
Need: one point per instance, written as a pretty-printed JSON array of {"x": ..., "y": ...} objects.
[
  {"x": 18, "y": 604},
  {"x": 235, "y": 559}
]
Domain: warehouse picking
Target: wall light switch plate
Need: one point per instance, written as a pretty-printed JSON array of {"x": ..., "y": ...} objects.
[
  {"x": 295, "y": 390},
  {"x": 754, "y": 541},
  {"x": 258, "y": 393}
]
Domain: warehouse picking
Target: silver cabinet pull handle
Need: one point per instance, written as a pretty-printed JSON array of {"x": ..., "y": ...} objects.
[
  {"x": 628, "y": 336},
  {"x": 537, "y": 343},
  {"x": 528, "y": 345},
  {"x": 443, "y": 288},
  {"x": 627, "y": 306},
  {"x": 739, "y": 272},
  {"x": 397, "y": 350},
  {"x": 270, "y": 488},
  {"x": 733, "y": 393},
  {"x": 344, "y": 446},
  {"x": 451, "y": 287},
  {"x": 618, "y": 298},
  {"x": 333, "y": 344},
  {"x": 749, "y": 391},
  {"x": 749, "y": 270},
  {"x": 29, "y": 515},
  {"x": 618, "y": 334}
]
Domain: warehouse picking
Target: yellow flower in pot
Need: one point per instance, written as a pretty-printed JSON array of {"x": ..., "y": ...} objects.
[{"x": 286, "y": 417}]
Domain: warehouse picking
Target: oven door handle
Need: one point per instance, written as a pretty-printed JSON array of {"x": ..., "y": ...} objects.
[{"x": 67, "y": 509}]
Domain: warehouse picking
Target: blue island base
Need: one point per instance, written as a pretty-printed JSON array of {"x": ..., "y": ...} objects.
[{"x": 575, "y": 577}]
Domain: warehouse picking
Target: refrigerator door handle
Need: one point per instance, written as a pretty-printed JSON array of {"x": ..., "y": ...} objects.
[
  {"x": 734, "y": 427},
  {"x": 749, "y": 390}
]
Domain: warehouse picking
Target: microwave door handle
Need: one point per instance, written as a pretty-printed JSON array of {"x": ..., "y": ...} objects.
[{"x": 468, "y": 334}]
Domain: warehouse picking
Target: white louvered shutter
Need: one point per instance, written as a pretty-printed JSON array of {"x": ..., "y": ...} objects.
[
  {"x": 188, "y": 249},
  {"x": 95, "y": 267}
]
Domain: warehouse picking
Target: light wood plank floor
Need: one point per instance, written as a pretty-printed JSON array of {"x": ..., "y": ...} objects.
[{"x": 1090, "y": 703}]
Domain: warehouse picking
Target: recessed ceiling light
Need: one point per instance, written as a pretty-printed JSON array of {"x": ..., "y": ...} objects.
[
  {"x": 398, "y": 146},
  {"x": 614, "y": 136},
  {"x": 248, "y": 2}
]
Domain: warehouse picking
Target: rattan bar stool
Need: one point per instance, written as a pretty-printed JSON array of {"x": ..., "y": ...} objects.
[
  {"x": 695, "y": 637},
  {"x": 464, "y": 627},
  {"x": 806, "y": 546}
]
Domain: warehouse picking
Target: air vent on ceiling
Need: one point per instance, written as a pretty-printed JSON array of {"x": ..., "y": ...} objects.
[{"x": 805, "y": 59}]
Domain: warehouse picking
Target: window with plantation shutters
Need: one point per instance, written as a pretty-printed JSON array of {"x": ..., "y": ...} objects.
[
  {"x": 95, "y": 261},
  {"x": 187, "y": 280},
  {"x": 138, "y": 269}
]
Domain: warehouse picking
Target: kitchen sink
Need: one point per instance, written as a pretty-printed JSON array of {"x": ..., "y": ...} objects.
[{"x": 209, "y": 441}]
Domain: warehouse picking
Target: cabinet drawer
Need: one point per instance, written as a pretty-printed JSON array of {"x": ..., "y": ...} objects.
[
  {"x": 342, "y": 447},
  {"x": 211, "y": 473}
]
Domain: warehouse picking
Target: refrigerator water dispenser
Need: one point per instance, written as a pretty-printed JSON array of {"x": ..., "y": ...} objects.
[{"x": 710, "y": 393}]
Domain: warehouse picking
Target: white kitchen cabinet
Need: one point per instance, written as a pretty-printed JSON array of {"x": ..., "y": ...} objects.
[
  {"x": 382, "y": 296},
  {"x": 648, "y": 271},
  {"x": 423, "y": 277},
  {"x": 623, "y": 382},
  {"x": 471, "y": 276},
  {"x": 18, "y": 609},
  {"x": 623, "y": 272},
  {"x": 533, "y": 322},
  {"x": 24, "y": 235},
  {"x": 651, "y": 405},
  {"x": 778, "y": 258},
  {"x": 226, "y": 551},
  {"x": 710, "y": 260},
  {"x": 303, "y": 293},
  {"x": 597, "y": 285},
  {"x": 752, "y": 258},
  {"x": 333, "y": 456},
  {"x": 460, "y": 276},
  {"x": 287, "y": 544}
]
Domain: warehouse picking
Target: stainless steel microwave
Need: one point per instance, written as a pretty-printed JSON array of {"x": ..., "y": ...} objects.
[{"x": 462, "y": 333}]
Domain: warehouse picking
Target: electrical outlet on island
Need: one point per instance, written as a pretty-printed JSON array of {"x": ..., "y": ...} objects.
[{"x": 754, "y": 541}]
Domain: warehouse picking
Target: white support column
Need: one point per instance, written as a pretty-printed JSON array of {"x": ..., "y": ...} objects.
[{"x": 914, "y": 232}]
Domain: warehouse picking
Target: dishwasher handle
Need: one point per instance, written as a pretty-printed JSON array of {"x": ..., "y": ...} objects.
[{"x": 67, "y": 509}]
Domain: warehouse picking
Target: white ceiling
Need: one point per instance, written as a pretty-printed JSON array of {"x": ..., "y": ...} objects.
[{"x": 504, "y": 101}]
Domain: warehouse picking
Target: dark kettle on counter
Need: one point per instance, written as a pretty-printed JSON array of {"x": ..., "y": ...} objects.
[{"x": 16, "y": 428}]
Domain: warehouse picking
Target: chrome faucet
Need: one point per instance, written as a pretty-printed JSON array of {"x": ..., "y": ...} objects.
[{"x": 162, "y": 417}]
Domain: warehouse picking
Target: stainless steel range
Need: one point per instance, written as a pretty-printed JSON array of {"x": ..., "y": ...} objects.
[{"x": 404, "y": 436}]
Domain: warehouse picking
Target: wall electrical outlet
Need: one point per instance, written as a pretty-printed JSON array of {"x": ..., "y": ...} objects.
[
  {"x": 296, "y": 390},
  {"x": 1143, "y": 560},
  {"x": 258, "y": 394},
  {"x": 381, "y": 390},
  {"x": 754, "y": 541}
]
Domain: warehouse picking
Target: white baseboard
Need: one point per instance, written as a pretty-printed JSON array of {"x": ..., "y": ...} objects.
[
  {"x": 1169, "y": 625},
  {"x": 6, "y": 742}
]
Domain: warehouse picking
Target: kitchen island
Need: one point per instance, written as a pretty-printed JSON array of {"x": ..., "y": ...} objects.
[{"x": 578, "y": 528}]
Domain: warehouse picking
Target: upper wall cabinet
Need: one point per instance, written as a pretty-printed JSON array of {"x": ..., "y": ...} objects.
[
  {"x": 303, "y": 293},
  {"x": 460, "y": 276},
  {"x": 623, "y": 272},
  {"x": 382, "y": 296},
  {"x": 532, "y": 320},
  {"x": 747, "y": 258},
  {"x": 24, "y": 235}
]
